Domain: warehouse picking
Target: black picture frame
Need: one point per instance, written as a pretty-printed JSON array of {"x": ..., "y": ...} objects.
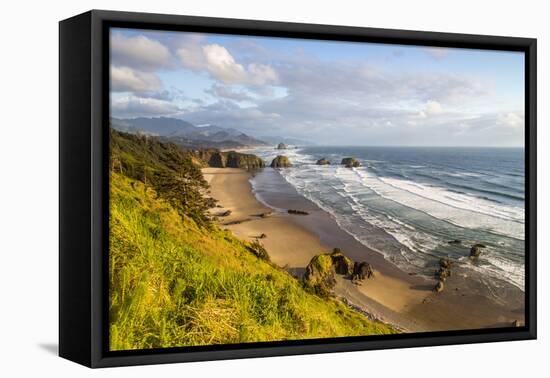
[{"x": 83, "y": 181}]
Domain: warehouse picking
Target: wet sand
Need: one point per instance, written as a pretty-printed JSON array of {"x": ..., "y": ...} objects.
[{"x": 393, "y": 296}]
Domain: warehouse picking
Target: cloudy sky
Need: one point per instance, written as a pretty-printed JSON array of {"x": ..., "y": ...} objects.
[{"x": 326, "y": 92}]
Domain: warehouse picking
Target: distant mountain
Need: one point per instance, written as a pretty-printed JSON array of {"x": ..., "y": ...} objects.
[
  {"x": 159, "y": 126},
  {"x": 275, "y": 140},
  {"x": 185, "y": 133}
]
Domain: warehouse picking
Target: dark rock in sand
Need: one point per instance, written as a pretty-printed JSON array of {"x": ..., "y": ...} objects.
[
  {"x": 264, "y": 215},
  {"x": 361, "y": 271},
  {"x": 443, "y": 273},
  {"x": 225, "y": 213},
  {"x": 342, "y": 264},
  {"x": 238, "y": 221},
  {"x": 297, "y": 212},
  {"x": 444, "y": 269},
  {"x": 262, "y": 236},
  {"x": 320, "y": 275},
  {"x": 323, "y": 161},
  {"x": 281, "y": 161},
  {"x": 282, "y": 146},
  {"x": 439, "y": 287}
]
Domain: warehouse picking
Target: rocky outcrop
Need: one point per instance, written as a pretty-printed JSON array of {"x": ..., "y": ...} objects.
[
  {"x": 281, "y": 161},
  {"x": 444, "y": 270},
  {"x": 323, "y": 161},
  {"x": 351, "y": 162},
  {"x": 342, "y": 264},
  {"x": 282, "y": 146},
  {"x": 321, "y": 271},
  {"x": 264, "y": 215},
  {"x": 240, "y": 160},
  {"x": 217, "y": 160},
  {"x": 456, "y": 241},
  {"x": 297, "y": 212},
  {"x": 442, "y": 274},
  {"x": 228, "y": 159},
  {"x": 362, "y": 271},
  {"x": 476, "y": 251},
  {"x": 320, "y": 275}
]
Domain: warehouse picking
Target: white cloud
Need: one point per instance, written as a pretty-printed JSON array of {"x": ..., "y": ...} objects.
[
  {"x": 222, "y": 91},
  {"x": 512, "y": 120},
  {"x": 134, "y": 106},
  {"x": 139, "y": 52},
  {"x": 191, "y": 56},
  {"x": 260, "y": 74},
  {"x": 433, "y": 107},
  {"x": 338, "y": 101},
  {"x": 125, "y": 79},
  {"x": 221, "y": 65}
]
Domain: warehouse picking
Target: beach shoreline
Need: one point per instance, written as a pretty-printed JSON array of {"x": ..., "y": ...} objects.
[{"x": 393, "y": 296}]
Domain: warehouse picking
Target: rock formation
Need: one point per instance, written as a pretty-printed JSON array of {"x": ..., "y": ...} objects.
[
  {"x": 361, "y": 271},
  {"x": 320, "y": 275},
  {"x": 228, "y": 159},
  {"x": 476, "y": 251},
  {"x": 351, "y": 162},
  {"x": 281, "y": 161},
  {"x": 297, "y": 212},
  {"x": 282, "y": 146},
  {"x": 342, "y": 264},
  {"x": 323, "y": 161},
  {"x": 444, "y": 270}
]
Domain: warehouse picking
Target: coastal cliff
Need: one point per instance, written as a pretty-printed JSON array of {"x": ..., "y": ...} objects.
[
  {"x": 229, "y": 159},
  {"x": 176, "y": 279}
]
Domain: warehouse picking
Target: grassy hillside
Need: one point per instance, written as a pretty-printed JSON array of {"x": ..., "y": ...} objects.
[{"x": 175, "y": 281}]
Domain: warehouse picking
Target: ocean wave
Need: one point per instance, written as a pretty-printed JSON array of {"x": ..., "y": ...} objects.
[
  {"x": 462, "y": 210},
  {"x": 497, "y": 266}
]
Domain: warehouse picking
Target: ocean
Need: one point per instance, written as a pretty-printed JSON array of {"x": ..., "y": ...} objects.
[{"x": 408, "y": 202}]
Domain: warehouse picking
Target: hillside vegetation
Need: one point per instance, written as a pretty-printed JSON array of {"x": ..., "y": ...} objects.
[{"x": 178, "y": 280}]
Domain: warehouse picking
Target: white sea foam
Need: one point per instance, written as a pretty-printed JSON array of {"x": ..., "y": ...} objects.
[
  {"x": 334, "y": 186},
  {"x": 460, "y": 209}
]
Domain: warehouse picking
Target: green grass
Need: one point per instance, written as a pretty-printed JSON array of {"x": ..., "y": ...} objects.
[{"x": 174, "y": 283}]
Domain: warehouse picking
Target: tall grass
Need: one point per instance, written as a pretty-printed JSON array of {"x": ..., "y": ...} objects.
[{"x": 173, "y": 283}]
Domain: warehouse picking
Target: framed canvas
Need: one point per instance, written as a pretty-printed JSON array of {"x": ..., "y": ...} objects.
[{"x": 235, "y": 188}]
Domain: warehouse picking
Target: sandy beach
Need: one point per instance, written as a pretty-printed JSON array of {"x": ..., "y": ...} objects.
[{"x": 393, "y": 296}]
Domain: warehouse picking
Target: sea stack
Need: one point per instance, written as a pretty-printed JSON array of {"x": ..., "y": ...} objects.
[
  {"x": 323, "y": 161},
  {"x": 351, "y": 162},
  {"x": 282, "y": 146},
  {"x": 281, "y": 161},
  {"x": 476, "y": 251}
]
